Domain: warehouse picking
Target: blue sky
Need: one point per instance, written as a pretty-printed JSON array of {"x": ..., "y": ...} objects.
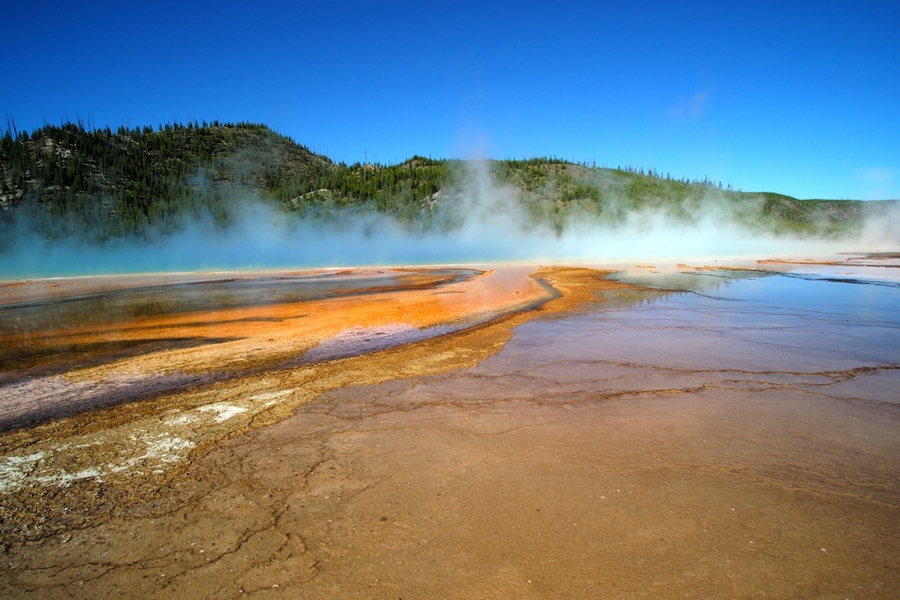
[{"x": 799, "y": 98}]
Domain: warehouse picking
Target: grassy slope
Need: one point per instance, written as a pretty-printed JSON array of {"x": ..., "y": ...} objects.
[{"x": 99, "y": 185}]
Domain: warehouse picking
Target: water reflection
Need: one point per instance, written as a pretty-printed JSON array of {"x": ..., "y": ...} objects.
[
  {"x": 354, "y": 341},
  {"x": 705, "y": 433},
  {"x": 816, "y": 293},
  {"x": 130, "y": 322},
  {"x": 128, "y": 305},
  {"x": 713, "y": 327},
  {"x": 64, "y": 355},
  {"x": 710, "y": 432}
]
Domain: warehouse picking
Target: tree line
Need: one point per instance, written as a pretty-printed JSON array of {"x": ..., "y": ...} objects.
[{"x": 97, "y": 184}]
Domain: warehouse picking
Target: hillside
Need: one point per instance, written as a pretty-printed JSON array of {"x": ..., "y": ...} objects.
[
  {"x": 97, "y": 185},
  {"x": 66, "y": 181}
]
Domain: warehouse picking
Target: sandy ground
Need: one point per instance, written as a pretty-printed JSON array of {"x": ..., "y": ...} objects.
[{"x": 471, "y": 464}]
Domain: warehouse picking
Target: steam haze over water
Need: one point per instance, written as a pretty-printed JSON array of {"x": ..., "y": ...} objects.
[
  {"x": 469, "y": 431},
  {"x": 761, "y": 98},
  {"x": 490, "y": 226}
]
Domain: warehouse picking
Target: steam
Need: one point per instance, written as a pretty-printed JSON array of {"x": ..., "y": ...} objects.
[{"x": 484, "y": 222}]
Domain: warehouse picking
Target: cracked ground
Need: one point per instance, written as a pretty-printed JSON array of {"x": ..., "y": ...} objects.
[{"x": 718, "y": 435}]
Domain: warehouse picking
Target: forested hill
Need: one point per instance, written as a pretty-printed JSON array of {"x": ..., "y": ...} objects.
[{"x": 98, "y": 184}]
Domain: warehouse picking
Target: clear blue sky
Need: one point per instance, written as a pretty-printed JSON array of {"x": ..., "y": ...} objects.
[{"x": 800, "y": 98}]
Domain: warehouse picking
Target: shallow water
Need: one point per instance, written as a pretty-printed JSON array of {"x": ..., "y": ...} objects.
[
  {"x": 66, "y": 351},
  {"x": 734, "y": 436},
  {"x": 125, "y": 306},
  {"x": 767, "y": 322},
  {"x": 714, "y": 434},
  {"x": 720, "y": 330}
]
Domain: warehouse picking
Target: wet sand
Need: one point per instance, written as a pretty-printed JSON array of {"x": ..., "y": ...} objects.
[{"x": 617, "y": 441}]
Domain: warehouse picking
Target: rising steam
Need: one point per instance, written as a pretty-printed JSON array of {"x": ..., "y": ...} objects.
[{"x": 486, "y": 222}]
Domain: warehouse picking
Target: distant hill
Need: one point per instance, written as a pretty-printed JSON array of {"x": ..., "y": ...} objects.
[
  {"x": 67, "y": 181},
  {"x": 97, "y": 184}
]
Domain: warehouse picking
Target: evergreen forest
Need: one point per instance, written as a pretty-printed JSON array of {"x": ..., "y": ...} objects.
[{"x": 96, "y": 185}]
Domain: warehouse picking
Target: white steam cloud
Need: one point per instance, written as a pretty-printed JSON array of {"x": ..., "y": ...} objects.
[{"x": 490, "y": 226}]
